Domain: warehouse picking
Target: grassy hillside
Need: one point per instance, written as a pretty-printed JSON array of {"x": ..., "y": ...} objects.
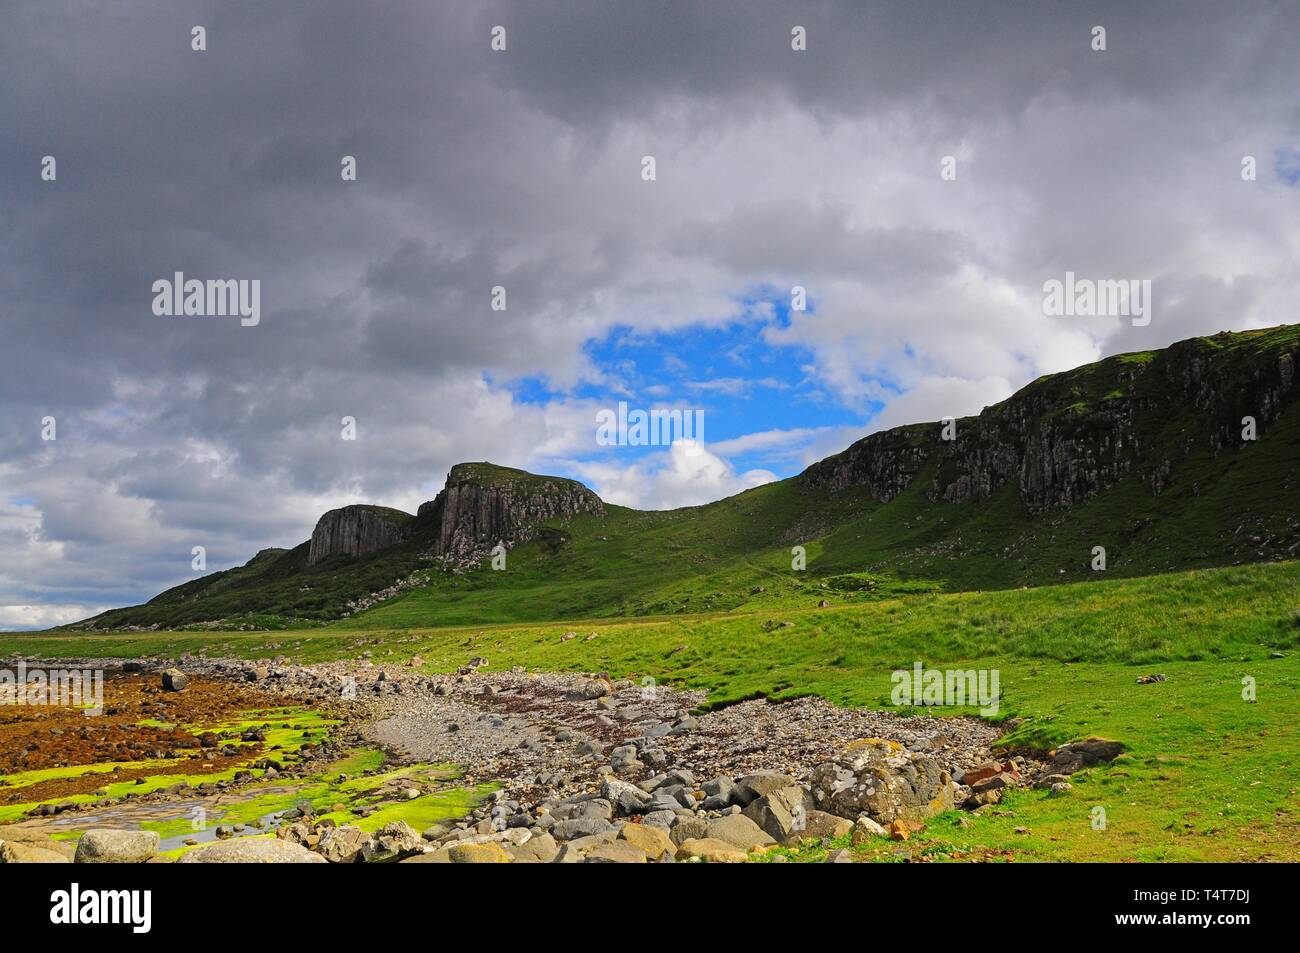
[{"x": 1220, "y": 502}]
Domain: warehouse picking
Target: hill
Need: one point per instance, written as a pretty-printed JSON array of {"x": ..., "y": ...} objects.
[{"x": 1181, "y": 458}]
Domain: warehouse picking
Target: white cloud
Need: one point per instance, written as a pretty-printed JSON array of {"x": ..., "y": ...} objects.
[
  {"x": 27, "y": 618},
  {"x": 676, "y": 477}
]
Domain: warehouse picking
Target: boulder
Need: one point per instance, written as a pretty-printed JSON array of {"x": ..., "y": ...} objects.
[
  {"x": 251, "y": 850},
  {"x": 711, "y": 851},
  {"x": 392, "y": 842},
  {"x": 538, "y": 849},
  {"x": 626, "y": 798},
  {"x": 19, "y": 852},
  {"x": 478, "y": 854},
  {"x": 689, "y": 828},
  {"x": 174, "y": 680},
  {"x": 618, "y": 852},
  {"x": 754, "y": 786},
  {"x": 783, "y": 814},
  {"x": 883, "y": 780},
  {"x": 864, "y": 829},
  {"x": 653, "y": 840},
  {"x": 116, "y": 847},
  {"x": 342, "y": 845},
  {"x": 739, "y": 831},
  {"x": 1069, "y": 758},
  {"x": 819, "y": 824},
  {"x": 579, "y": 827}
]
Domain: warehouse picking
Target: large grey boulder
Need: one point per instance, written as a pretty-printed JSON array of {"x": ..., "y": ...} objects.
[
  {"x": 783, "y": 814},
  {"x": 579, "y": 827},
  {"x": 116, "y": 847},
  {"x": 883, "y": 780},
  {"x": 754, "y": 786},
  {"x": 740, "y": 831},
  {"x": 627, "y": 798}
]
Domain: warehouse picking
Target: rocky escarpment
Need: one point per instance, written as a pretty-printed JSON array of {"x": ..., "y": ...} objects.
[
  {"x": 1068, "y": 437},
  {"x": 483, "y": 504},
  {"x": 356, "y": 531}
]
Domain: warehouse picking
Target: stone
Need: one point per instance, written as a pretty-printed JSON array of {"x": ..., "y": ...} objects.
[
  {"x": 883, "y": 780},
  {"x": 627, "y": 798},
  {"x": 18, "y": 852},
  {"x": 579, "y": 827},
  {"x": 991, "y": 783},
  {"x": 689, "y": 828},
  {"x": 864, "y": 829},
  {"x": 597, "y": 808},
  {"x": 174, "y": 680},
  {"x": 840, "y": 856},
  {"x": 987, "y": 770},
  {"x": 782, "y": 814},
  {"x": 1069, "y": 758},
  {"x": 819, "y": 824},
  {"x": 116, "y": 847},
  {"x": 439, "y": 856},
  {"x": 653, "y": 840},
  {"x": 1060, "y": 789},
  {"x": 618, "y": 852},
  {"x": 538, "y": 849},
  {"x": 711, "y": 851},
  {"x": 754, "y": 786},
  {"x": 478, "y": 854},
  {"x": 251, "y": 850},
  {"x": 392, "y": 842},
  {"x": 342, "y": 845},
  {"x": 740, "y": 831}
]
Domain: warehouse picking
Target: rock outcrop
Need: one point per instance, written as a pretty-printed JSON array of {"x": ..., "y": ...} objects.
[
  {"x": 483, "y": 504},
  {"x": 1067, "y": 437},
  {"x": 356, "y": 531}
]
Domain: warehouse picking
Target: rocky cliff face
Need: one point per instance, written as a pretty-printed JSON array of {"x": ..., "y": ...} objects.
[
  {"x": 356, "y": 531},
  {"x": 1069, "y": 436},
  {"x": 483, "y": 504}
]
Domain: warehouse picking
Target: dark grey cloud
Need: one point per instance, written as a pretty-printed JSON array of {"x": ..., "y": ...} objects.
[{"x": 520, "y": 169}]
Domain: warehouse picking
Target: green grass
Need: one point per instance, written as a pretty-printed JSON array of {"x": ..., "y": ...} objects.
[{"x": 1206, "y": 774}]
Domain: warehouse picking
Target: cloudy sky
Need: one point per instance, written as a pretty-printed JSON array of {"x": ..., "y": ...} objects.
[{"x": 523, "y": 169}]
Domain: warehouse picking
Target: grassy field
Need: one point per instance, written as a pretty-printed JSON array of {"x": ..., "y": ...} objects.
[{"x": 1208, "y": 775}]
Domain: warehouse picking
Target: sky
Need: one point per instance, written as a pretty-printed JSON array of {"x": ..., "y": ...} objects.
[{"x": 523, "y": 169}]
